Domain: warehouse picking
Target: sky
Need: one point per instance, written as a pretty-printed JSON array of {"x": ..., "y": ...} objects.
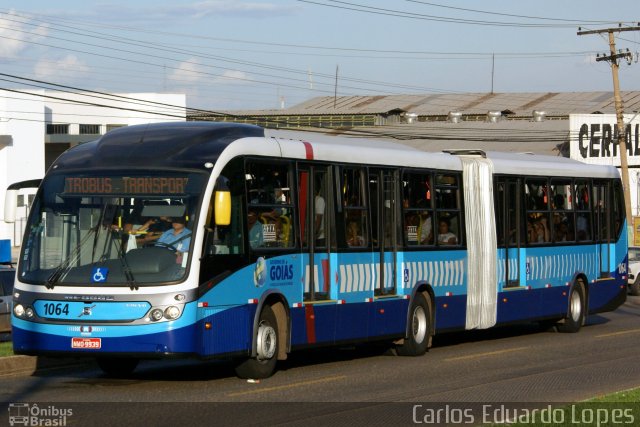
[{"x": 238, "y": 55}]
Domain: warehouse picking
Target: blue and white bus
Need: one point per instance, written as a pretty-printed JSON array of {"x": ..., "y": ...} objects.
[{"x": 270, "y": 244}]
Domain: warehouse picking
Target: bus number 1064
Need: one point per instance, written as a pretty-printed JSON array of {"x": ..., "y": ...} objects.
[{"x": 58, "y": 309}]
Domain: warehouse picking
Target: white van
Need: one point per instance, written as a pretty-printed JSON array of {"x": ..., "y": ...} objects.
[
  {"x": 7, "y": 276},
  {"x": 634, "y": 271}
]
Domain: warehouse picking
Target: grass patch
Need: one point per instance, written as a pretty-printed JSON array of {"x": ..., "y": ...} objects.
[
  {"x": 632, "y": 395},
  {"x": 6, "y": 349}
]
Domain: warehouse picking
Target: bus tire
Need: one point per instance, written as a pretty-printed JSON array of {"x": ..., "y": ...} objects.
[
  {"x": 576, "y": 313},
  {"x": 417, "y": 343},
  {"x": 634, "y": 288},
  {"x": 264, "y": 364},
  {"x": 117, "y": 367}
]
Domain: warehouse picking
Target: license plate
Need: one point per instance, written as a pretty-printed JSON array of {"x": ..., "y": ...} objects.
[{"x": 90, "y": 343}]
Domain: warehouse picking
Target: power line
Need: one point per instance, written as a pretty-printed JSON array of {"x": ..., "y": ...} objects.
[{"x": 420, "y": 16}]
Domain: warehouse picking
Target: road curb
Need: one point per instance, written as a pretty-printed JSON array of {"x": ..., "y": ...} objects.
[{"x": 29, "y": 365}]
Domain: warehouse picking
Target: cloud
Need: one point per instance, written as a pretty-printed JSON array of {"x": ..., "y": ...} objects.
[
  {"x": 189, "y": 71},
  {"x": 17, "y": 33},
  {"x": 178, "y": 11},
  {"x": 232, "y": 8},
  {"x": 233, "y": 77},
  {"x": 67, "y": 68},
  {"x": 192, "y": 71}
]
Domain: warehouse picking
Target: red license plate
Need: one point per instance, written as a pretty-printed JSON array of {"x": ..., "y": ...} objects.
[{"x": 90, "y": 343}]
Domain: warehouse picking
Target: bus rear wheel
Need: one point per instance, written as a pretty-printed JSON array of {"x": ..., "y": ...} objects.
[
  {"x": 264, "y": 363},
  {"x": 576, "y": 313},
  {"x": 117, "y": 367},
  {"x": 417, "y": 343}
]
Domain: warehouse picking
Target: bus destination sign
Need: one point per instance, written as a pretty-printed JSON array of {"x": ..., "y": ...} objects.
[{"x": 125, "y": 185}]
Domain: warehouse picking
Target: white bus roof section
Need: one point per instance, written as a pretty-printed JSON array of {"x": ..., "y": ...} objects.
[{"x": 379, "y": 152}]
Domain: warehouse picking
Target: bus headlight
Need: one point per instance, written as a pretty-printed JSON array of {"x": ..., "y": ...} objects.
[
  {"x": 156, "y": 314},
  {"x": 29, "y": 312},
  {"x": 18, "y": 310},
  {"x": 172, "y": 312}
]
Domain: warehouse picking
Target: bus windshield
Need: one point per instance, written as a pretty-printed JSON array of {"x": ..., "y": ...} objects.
[{"x": 114, "y": 229}]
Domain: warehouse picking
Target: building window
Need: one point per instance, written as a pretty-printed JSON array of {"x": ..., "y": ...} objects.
[
  {"x": 115, "y": 126},
  {"x": 89, "y": 129},
  {"x": 57, "y": 129}
]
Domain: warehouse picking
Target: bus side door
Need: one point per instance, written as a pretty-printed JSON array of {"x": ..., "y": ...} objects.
[{"x": 316, "y": 205}]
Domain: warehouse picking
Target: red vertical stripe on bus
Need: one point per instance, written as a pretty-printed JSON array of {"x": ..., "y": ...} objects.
[
  {"x": 311, "y": 324},
  {"x": 308, "y": 150},
  {"x": 325, "y": 274}
]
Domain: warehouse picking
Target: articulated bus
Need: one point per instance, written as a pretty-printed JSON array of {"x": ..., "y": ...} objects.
[{"x": 220, "y": 240}]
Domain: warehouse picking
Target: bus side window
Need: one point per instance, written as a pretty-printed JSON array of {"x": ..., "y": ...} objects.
[
  {"x": 448, "y": 226},
  {"x": 269, "y": 193},
  {"x": 355, "y": 209},
  {"x": 417, "y": 206}
]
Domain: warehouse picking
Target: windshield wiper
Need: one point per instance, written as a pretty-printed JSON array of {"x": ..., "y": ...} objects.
[
  {"x": 65, "y": 265},
  {"x": 122, "y": 256}
]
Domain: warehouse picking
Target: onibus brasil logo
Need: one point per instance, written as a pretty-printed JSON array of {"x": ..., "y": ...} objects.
[{"x": 27, "y": 414}]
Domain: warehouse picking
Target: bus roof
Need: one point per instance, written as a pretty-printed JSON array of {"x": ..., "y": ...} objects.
[
  {"x": 192, "y": 144},
  {"x": 173, "y": 144}
]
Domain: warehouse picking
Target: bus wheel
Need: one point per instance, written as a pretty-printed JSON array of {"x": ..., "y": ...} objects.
[
  {"x": 634, "y": 289},
  {"x": 117, "y": 367},
  {"x": 264, "y": 364},
  {"x": 417, "y": 343},
  {"x": 576, "y": 314}
]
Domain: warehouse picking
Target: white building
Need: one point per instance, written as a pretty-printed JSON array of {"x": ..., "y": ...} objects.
[
  {"x": 594, "y": 141},
  {"x": 36, "y": 126}
]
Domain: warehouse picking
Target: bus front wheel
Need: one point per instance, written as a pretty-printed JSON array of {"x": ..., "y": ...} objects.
[
  {"x": 264, "y": 363},
  {"x": 576, "y": 313},
  {"x": 417, "y": 342}
]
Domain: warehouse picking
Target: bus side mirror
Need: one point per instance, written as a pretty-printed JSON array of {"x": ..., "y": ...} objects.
[
  {"x": 222, "y": 201},
  {"x": 10, "y": 206},
  {"x": 222, "y": 207}
]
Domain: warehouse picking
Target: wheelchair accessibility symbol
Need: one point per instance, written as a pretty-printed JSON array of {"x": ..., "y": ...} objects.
[{"x": 99, "y": 274}]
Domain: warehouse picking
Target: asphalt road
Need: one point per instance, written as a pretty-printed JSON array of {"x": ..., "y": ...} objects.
[{"x": 511, "y": 364}]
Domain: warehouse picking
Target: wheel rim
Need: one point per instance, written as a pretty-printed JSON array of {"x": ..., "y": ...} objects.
[
  {"x": 419, "y": 324},
  {"x": 266, "y": 341},
  {"x": 576, "y": 306}
]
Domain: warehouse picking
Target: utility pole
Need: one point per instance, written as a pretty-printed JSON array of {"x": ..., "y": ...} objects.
[
  {"x": 335, "y": 90},
  {"x": 622, "y": 146}
]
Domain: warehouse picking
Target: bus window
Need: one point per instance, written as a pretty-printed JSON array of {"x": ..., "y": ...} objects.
[
  {"x": 601, "y": 210},
  {"x": 355, "y": 209},
  {"x": 417, "y": 207},
  {"x": 448, "y": 227},
  {"x": 269, "y": 205},
  {"x": 583, "y": 211},
  {"x": 618, "y": 209},
  {"x": 562, "y": 201},
  {"x": 536, "y": 191}
]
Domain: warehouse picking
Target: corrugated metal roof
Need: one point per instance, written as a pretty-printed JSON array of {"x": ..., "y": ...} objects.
[
  {"x": 521, "y": 104},
  {"x": 550, "y": 137}
]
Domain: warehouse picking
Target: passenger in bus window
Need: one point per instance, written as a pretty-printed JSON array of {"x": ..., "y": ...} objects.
[
  {"x": 446, "y": 237},
  {"x": 319, "y": 207},
  {"x": 255, "y": 230},
  {"x": 426, "y": 229},
  {"x": 582, "y": 226},
  {"x": 541, "y": 230},
  {"x": 354, "y": 235}
]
